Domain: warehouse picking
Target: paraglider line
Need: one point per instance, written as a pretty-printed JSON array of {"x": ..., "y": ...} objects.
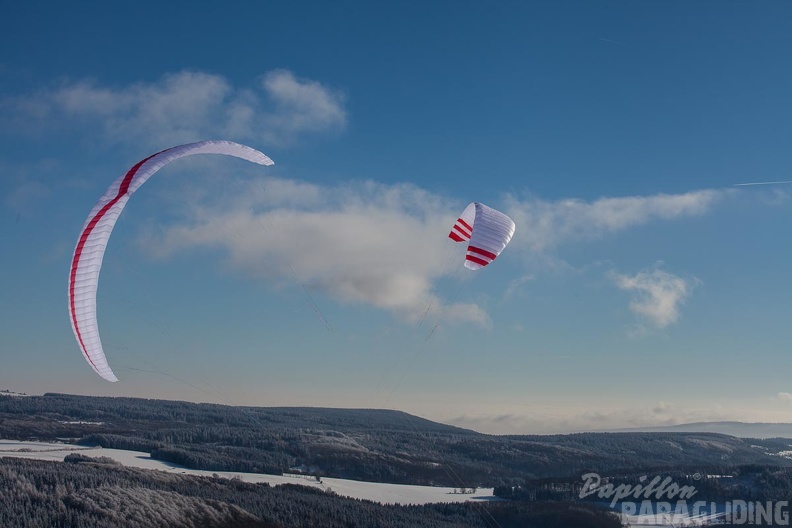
[
  {"x": 445, "y": 312},
  {"x": 312, "y": 304},
  {"x": 432, "y": 331},
  {"x": 426, "y": 312},
  {"x": 217, "y": 394},
  {"x": 489, "y": 520},
  {"x": 164, "y": 373}
]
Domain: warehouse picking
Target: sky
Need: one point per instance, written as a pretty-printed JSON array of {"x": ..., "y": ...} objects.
[{"x": 642, "y": 287}]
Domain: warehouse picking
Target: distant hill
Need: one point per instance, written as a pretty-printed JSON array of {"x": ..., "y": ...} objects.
[
  {"x": 9, "y": 393},
  {"x": 738, "y": 429},
  {"x": 364, "y": 444}
]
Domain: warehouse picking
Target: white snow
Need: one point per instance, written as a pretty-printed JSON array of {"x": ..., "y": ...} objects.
[{"x": 373, "y": 491}]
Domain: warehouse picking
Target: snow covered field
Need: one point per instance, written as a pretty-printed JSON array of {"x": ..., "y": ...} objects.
[{"x": 383, "y": 493}]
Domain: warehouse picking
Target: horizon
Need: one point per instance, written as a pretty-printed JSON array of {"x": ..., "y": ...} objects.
[
  {"x": 646, "y": 284},
  {"x": 649, "y": 429}
]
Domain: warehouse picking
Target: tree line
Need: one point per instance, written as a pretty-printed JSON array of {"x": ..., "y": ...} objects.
[{"x": 83, "y": 492}]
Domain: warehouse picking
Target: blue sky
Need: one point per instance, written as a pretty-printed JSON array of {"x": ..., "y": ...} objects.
[{"x": 641, "y": 287}]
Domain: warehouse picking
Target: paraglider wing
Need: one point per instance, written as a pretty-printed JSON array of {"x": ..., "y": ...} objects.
[
  {"x": 487, "y": 231},
  {"x": 88, "y": 254}
]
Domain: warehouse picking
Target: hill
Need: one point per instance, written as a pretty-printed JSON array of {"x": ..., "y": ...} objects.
[
  {"x": 362, "y": 444},
  {"x": 738, "y": 429}
]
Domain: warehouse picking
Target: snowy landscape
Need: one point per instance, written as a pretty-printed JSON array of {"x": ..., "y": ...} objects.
[
  {"x": 379, "y": 492},
  {"x": 128, "y": 447}
]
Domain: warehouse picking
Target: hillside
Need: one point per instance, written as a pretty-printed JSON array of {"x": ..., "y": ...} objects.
[
  {"x": 361, "y": 444},
  {"x": 738, "y": 429},
  {"x": 92, "y": 493}
]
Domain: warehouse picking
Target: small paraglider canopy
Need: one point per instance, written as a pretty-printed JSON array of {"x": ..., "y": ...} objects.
[
  {"x": 91, "y": 244},
  {"x": 487, "y": 230}
]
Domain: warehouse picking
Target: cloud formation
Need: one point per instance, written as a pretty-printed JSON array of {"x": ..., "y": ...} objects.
[
  {"x": 374, "y": 244},
  {"x": 301, "y": 106},
  {"x": 386, "y": 246},
  {"x": 785, "y": 397},
  {"x": 657, "y": 294},
  {"x": 183, "y": 107},
  {"x": 545, "y": 225},
  {"x": 542, "y": 420}
]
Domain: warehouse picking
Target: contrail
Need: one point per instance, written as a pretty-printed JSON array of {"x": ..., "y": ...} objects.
[
  {"x": 763, "y": 183},
  {"x": 611, "y": 41}
]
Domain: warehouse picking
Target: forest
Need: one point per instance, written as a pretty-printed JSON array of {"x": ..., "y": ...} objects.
[
  {"x": 96, "y": 493},
  {"x": 723, "y": 483},
  {"x": 361, "y": 444}
]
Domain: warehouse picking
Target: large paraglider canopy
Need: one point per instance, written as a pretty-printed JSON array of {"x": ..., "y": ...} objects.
[
  {"x": 487, "y": 230},
  {"x": 88, "y": 254}
]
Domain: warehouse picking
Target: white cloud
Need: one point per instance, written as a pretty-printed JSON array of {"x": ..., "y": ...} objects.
[
  {"x": 380, "y": 245},
  {"x": 384, "y": 245},
  {"x": 657, "y": 294},
  {"x": 182, "y": 107},
  {"x": 516, "y": 286},
  {"x": 544, "y": 225},
  {"x": 544, "y": 420},
  {"x": 785, "y": 397},
  {"x": 302, "y": 106}
]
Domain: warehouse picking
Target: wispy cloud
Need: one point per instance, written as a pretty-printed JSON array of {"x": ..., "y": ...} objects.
[
  {"x": 657, "y": 294},
  {"x": 383, "y": 245},
  {"x": 301, "y": 106},
  {"x": 374, "y": 244},
  {"x": 543, "y": 420},
  {"x": 181, "y": 107},
  {"x": 545, "y": 225},
  {"x": 516, "y": 286},
  {"x": 785, "y": 397}
]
